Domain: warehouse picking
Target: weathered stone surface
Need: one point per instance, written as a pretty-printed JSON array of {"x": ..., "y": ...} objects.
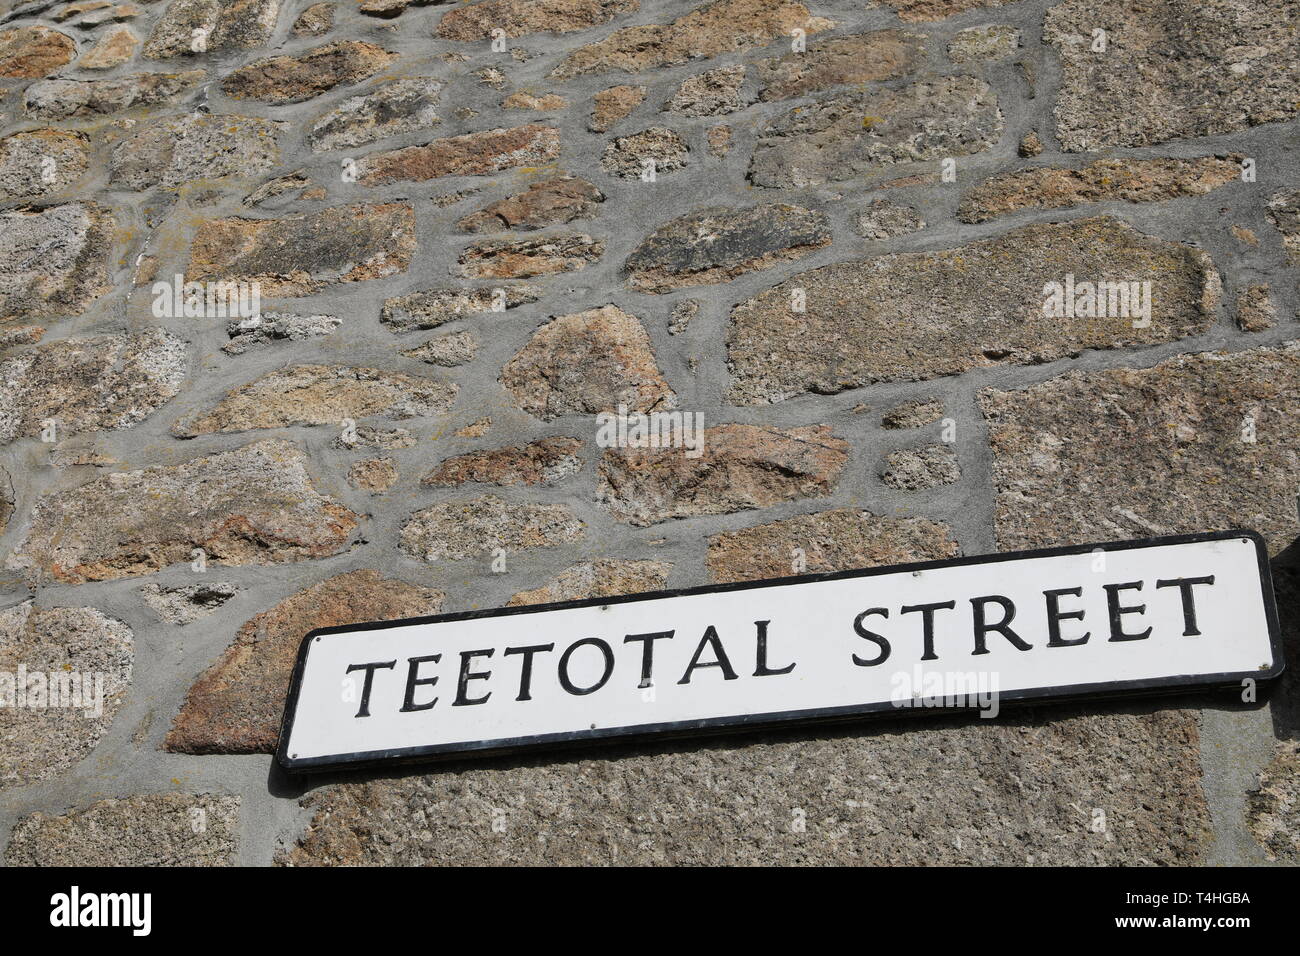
[
  {"x": 274, "y": 188},
  {"x": 546, "y": 102},
  {"x": 87, "y": 384},
  {"x": 89, "y": 14},
  {"x": 724, "y": 26},
  {"x": 292, "y": 79},
  {"x": 588, "y": 362},
  {"x": 839, "y": 540},
  {"x": 299, "y": 255},
  {"x": 158, "y": 829},
  {"x": 550, "y": 202},
  {"x": 681, "y": 316},
  {"x": 517, "y": 18},
  {"x": 93, "y": 652},
  {"x": 317, "y": 20},
  {"x": 657, "y": 149},
  {"x": 914, "y": 469},
  {"x": 838, "y": 61},
  {"x": 75, "y": 453},
  {"x": 995, "y": 792},
  {"x": 431, "y": 308},
  {"x": 320, "y": 395},
  {"x": 41, "y": 161},
  {"x": 189, "y": 603},
  {"x": 719, "y": 243},
  {"x": 978, "y": 44},
  {"x": 542, "y": 462},
  {"x": 375, "y": 475},
  {"x": 491, "y": 76},
  {"x": 1284, "y": 213},
  {"x": 368, "y": 436},
  {"x": 34, "y": 51},
  {"x": 1172, "y": 69},
  {"x": 114, "y": 48},
  {"x": 885, "y": 220},
  {"x": 6, "y": 499},
  {"x": 929, "y": 10},
  {"x": 719, "y": 141},
  {"x": 222, "y": 25},
  {"x": 596, "y": 579},
  {"x": 448, "y": 351},
  {"x": 475, "y": 527},
  {"x": 1030, "y": 144},
  {"x": 1273, "y": 810},
  {"x": 393, "y": 108},
  {"x": 82, "y": 99},
  {"x": 611, "y": 105},
  {"x": 253, "y": 505},
  {"x": 710, "y": 93},
  {"x": 1130, "y": 180},
  {"x": 474, "y": 154},
  {"x": 843, "y": 137},
  {"x": 1255, "y": 311},
  {"x": 1057, "y": 441},
  {"x": 235, "y": 705},
  {"x": 20, "y": 335},
  {"x": 56, "y": 260},
  {"x": 475, "y": 429},
  {"x": 197, "y": 146},
  {"x": 742, "y": 467},
  {"x": 526, "y": 258},
  {"x": 387, "y": 9},
  {"x": 918, "y": 315},
  {"x": 276, "y": 327},
  {"x": 913, "y": 414}
]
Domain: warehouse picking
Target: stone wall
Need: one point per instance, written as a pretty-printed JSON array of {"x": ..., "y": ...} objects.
[{"x": 462, "y": 258}]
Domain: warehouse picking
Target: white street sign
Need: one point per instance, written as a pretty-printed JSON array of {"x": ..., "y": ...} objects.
[{"x": 1155, "y": 615}]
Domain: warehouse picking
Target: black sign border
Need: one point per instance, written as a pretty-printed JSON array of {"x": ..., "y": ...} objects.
[{"x": 778, "y": 719}]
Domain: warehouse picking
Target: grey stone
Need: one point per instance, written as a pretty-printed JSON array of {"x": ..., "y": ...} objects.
[
  {"x": 914, "y": 469},
  {"x": 1172, "y": 69},
  {"x": 276, "y": 327},
  {"x": 221, "y": 25},
  {"x": 199, "y": 146},
  {"x": 719, "y": 243},
  {"x": 56, "y": 260},
  {"x": 588, "y": 362},
  {"x": 913, "y": 316},
  {"x": 847, "y": 136},
  {"x": 320, "y": 395},
  {"x": 41, "y": 161},
  {"x": 476, "y": 527},
  {"x": 187, "y": 604},
  {"x": 79, "y": 385},
  {"x": 82, "y": 99},
  {"x": 652, "y": 151},
  {"x": 157, "y": 829},
  {"x": 76, "y": 664},
  {"x": 452, "y": 349},
  {"x": 711, "y": 93},
  {"x": 391, "y": 109},
  {"x": 740, "y": 467},
  {"x": 254, "y": 505},
  {"x": 431, "y": 308}
]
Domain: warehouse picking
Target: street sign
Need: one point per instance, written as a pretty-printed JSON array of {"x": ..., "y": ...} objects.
[{"x": 976, "y": 633}]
